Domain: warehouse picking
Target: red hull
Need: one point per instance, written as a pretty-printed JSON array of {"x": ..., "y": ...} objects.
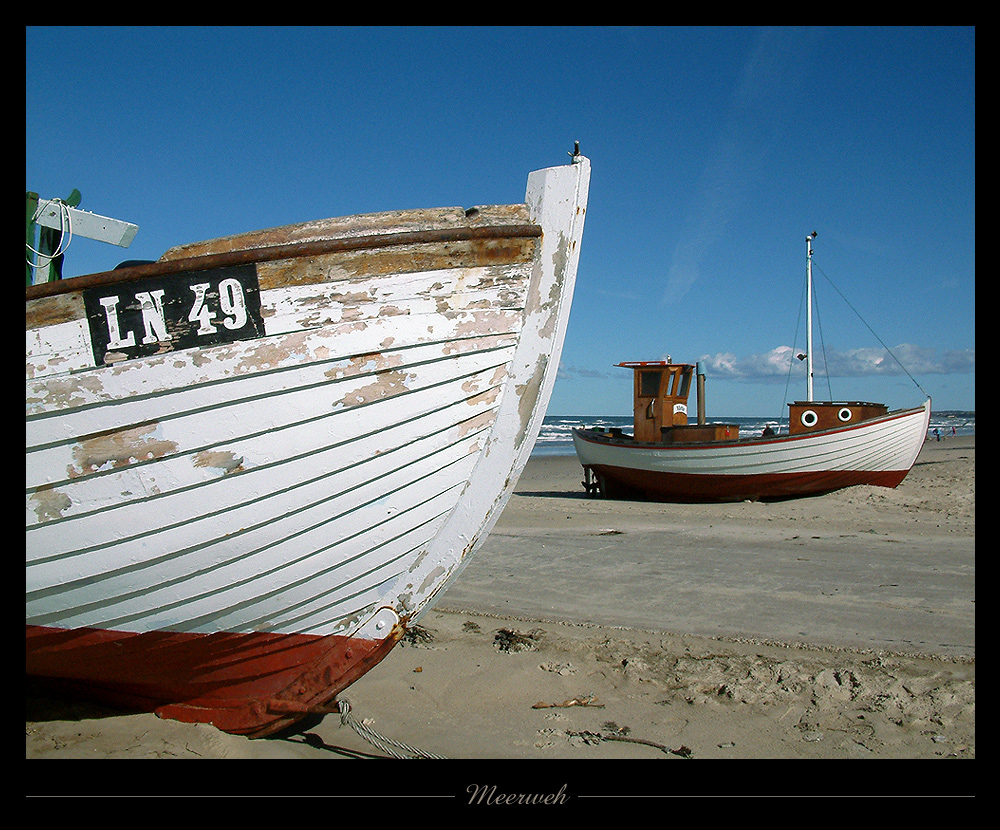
[
  {"x": 621, "y": 482},
  {"x": 253, "y": 684}
]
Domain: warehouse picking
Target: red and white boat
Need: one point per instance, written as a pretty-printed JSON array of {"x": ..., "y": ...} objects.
[
  {"x": 879, "y": 450},
  {"x": 252, "y": 464},
  {"x": 829, "y": 445}
]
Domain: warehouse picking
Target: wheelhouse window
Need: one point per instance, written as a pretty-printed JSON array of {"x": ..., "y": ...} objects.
[{"x": 649, "y": 384}]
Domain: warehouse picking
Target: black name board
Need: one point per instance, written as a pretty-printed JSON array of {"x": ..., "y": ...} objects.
[{"x": 172, "y": 312}]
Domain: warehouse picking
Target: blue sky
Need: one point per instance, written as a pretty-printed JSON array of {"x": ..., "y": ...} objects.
[{"x": 715, "y": 151}]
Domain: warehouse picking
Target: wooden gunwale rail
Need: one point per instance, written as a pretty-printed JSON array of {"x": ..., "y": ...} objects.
[{"x": 274, "y": 252}]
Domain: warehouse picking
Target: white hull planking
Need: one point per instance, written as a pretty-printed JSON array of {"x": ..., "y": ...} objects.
[
  {"x": 890, "y": 443},
  {"x": 349, "y": 460}
]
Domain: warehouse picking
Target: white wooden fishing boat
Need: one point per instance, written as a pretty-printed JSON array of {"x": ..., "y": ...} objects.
[
  {"x": 254, "y": 463},
  {"x": 829, "y": 445}
]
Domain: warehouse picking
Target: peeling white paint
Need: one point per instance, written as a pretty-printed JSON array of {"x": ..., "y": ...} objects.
[{"x": 346, "y": 462}]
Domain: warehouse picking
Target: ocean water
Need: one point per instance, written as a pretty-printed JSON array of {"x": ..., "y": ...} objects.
[{"x": 556, "y": 435}]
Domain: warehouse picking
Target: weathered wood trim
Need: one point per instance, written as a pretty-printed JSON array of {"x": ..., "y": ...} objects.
[{"x": 276, "y": 252}]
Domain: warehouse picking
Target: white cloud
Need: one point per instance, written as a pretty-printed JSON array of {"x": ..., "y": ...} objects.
[
  {"x": 578, "y": 372},
  {"x": 775, "y": 364}
]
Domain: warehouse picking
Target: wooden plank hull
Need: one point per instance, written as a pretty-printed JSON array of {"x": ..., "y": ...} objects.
[
  {"x": 878, "y": 452},
  {"x": 245, "y": 683},
  {"x": 251, "y": 465}
]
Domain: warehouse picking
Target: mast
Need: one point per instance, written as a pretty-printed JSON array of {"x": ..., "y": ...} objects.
[
  {"x": 57, "y": 222},
  {"x": 809, "y": 318}
]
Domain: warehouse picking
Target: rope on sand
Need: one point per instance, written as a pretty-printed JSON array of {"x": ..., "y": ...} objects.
[{"x": 387, "y": 745}]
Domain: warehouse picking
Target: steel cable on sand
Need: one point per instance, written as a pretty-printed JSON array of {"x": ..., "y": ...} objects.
[{"x": 387, "y": 745}]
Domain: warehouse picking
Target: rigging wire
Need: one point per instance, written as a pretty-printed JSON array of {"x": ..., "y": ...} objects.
[
  {"x": 874, "y": 334},
  {"x": 795, "y": 340},
  {"x": 822, "y": 344}
]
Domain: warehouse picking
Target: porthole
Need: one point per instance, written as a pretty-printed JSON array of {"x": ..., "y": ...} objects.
[
  {"x": 845, "y": 414},
  {"x": 809, "y": 418}
]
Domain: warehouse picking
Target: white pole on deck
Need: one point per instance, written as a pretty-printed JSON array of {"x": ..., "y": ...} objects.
[{"x": 809, "y": 317}]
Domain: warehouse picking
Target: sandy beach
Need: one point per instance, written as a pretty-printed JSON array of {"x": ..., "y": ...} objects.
[{"x": 835, "y": 627}]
